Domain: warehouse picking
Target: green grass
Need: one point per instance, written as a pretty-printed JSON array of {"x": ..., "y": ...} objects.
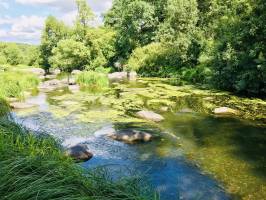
[
  {"x": 14, "y": 84},
  {"x": 35, "y": 167},
  {"x": 93, "y": 80}
]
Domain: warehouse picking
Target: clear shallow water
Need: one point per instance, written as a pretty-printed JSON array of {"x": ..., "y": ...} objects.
[{"x": 163, "y": 162}]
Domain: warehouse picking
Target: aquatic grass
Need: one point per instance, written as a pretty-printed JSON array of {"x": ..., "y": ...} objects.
[
  {"x": 33, "y": 166},
  {"x": 93, "y": 80},
  {"x": 13, "y": 84}
]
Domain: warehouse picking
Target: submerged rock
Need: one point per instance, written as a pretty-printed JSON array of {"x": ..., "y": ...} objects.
[
  {"x": 21, "y": 105},
  {"x": 50, "y": 76},
  {"x": 186, "y": 110},
  {"x": 117, "y": 76},
  {"x": 225, "y": 111},
  {"x": 130, "y": 136},
  {"x": 51, "y": 85},
  {"x": 79, "y": 153},
  {"x": 149, "y": 115},
  {"x": 74, "y": 88}
]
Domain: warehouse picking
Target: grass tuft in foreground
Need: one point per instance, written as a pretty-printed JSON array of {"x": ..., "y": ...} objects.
[{"x": 34, "y": 167}]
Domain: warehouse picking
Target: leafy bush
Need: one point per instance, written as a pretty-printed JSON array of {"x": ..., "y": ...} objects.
[
  {"x": 93, "y": 80},
  {"x": 13, "y": 84},
  {"x": 199, "y": 74}
]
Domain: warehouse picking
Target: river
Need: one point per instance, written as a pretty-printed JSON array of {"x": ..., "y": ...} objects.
[{"x": 195, "y": 155}]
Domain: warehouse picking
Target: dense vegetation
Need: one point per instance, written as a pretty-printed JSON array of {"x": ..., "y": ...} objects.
[
  {"x": 12, "y": 54},
  {"x": 14, "y": 84},
  {"x": 219, "y": 43}
]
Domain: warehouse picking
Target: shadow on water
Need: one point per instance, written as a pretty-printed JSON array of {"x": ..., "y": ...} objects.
[{"x": 230, "y": 147}]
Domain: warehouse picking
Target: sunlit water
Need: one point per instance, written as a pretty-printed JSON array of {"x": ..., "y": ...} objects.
[{"x": 164, "y": 161}]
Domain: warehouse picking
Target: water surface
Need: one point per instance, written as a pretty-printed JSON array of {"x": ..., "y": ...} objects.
[{"x": 194, "y": 156}]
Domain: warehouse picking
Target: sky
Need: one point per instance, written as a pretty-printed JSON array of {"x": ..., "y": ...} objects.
[{"x": 23, "y": 20}]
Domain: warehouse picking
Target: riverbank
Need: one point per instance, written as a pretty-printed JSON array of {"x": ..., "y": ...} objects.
[{"x": 40, "y": 170}]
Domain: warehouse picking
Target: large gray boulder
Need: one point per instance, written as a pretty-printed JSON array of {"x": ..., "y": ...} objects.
[
  {"x": 36, "y": 71},
  {"x": 130, "y": 136},
  {"x": 149, "y": 115},
  {"x": 117, "y": 76},
  {"x": 55, "y": 71},
  {"x": 225, "y": 111},
  {"x": 79, "y": 153}
]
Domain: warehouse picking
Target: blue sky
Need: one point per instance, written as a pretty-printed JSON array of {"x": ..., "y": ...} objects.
[{"x": 23, "y": 20}]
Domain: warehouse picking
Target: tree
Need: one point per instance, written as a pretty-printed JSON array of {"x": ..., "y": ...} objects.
[
  {"x": 69, "y": 55},
  {"x": 101, "y": 41},
  {"x": 53, "y": 32},
  {"x": 135, "y": 23},
  {"x": 84, "y": 17},
  {"x": 12, "y": 53},
  {"x": 239, "y": 57}
]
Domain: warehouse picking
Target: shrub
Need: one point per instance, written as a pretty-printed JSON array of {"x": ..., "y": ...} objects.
[{"x": 13, "y": 84}]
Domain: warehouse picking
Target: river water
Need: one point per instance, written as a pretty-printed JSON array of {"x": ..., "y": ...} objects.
[{"x": 193, "y": 156}]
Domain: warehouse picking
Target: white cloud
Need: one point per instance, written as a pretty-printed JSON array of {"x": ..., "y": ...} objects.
[
  {"x": 28, "y": 28},
  {"x": 4, "y": 4},
  {"x": 62, "y": 5},
  {"x": 22, "y": 28}
]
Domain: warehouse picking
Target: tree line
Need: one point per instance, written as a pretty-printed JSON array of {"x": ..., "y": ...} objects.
[{"x": 221, "y": 43}]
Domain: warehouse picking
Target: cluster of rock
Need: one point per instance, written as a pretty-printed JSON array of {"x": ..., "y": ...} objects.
[
  {"x": 131, "y": 136},
  {"x": 122, "y": 76}
]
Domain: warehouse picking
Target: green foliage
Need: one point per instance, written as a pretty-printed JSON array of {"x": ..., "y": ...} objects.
[
  {"x": 136, "y": 26},
  {"x": 148, "y": 60},
  {"x": 102, "y": 44},
  {"x": 69, "y": 55},
  {"x": 34, "y": 166},
  {"x": 14, "y": 84},
  {"x": 239, "y": 55},
  {"x": 18, "y": 54},
  {"x": 84, "y": 17},
  {"x": 11, "y": 53},
  {"x": 93, "y": 79},
  {"x": 53, "y": 32}
]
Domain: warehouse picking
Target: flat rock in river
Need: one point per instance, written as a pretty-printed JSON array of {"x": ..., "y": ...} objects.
[
  {"x": 117, "y": 76},
  {"x": 131, "y": 136},
  {"x": 149, "y": 115},
  {"x": 225, "y": 111},
  {"x": 21, "y": 105},
  {"x": 79, "y": 152}
]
